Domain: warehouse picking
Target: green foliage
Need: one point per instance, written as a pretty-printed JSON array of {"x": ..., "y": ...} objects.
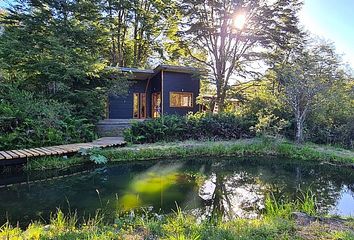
[
  {"x": 51, "y": 46},
  {"x": 27, "y": 120},
  {"x": 93, "y": 155},
  {"x": 54, "y": 79},
  {"x": 64, "y": 54},
  {"x": 310, "y": 73},
  {"x": 53, "y": 162},
  {"x": 263, "y": 104},
  {"x": 277, "y": 224},
  {"x": 333, "y": 120},
  {"x": 227, "y": 50},
  {"x": 200, "y": 126},
  {"x": 61, "y": 222},
  {"x": 98, "y": 159},
  {"x": 188, "y": 149},
  {"x": 283, "y": 208},
  {"x": 269, "y": 124}
]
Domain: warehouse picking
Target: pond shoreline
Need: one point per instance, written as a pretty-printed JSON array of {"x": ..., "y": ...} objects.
[
  {"x": 190, "y": 149},
  {"x": 276, "y": 222},
  {"x": 292, "y": 225}
]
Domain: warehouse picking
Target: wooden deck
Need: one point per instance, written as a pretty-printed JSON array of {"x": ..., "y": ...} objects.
[{"x": 17, "y": 156}]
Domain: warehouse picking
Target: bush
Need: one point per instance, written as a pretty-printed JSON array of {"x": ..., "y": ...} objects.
[
  {"x": 334, "y": 130},
  {"x": 27, "y": 120},
  {"x": 199, "y": 126}
]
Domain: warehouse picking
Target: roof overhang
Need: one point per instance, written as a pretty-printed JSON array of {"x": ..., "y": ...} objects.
[
  {"x": 143, "y": 74},
  {"x": 138, "y": 74},
  {"x": 180, "y": 69}
]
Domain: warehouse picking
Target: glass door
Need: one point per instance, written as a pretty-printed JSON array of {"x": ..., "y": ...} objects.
[
  {"x": 142, "y": 104},
  {"x": 139, "y": 105},
  {"x": 156, "y": 105}
]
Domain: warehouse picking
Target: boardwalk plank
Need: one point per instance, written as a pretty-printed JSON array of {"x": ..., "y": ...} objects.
[
  {"x": 41, "y": 151},
  {"x": 2, "y": 157},
  {"x": 48, "y": 152},
  {"x": 6, "y": 155},
  {"x": 34, "y": 154},
  {"x": 53, "y": 151},
  {"x": 66, "y": 149},
  {"x": 21, "y": 155},
  {"x": 25, "y": 153},
  {"x": 58, "y": 150},
  {"x": 14, "y": 155},
  {"x": 62, "y": 151}
]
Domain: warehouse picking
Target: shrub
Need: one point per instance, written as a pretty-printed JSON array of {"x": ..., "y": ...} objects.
[
  {"x": 199, "y": 126},
  {"x": 327, "y": 130},
  {"x": 27, "y": 120}
]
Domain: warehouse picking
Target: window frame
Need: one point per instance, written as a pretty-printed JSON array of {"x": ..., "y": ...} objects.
[
  {"x": 136, "y": 105},
  {"x": 182, "y": 93}
]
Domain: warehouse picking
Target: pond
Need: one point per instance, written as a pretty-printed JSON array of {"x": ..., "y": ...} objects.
[{"x": 237, "y": 187}]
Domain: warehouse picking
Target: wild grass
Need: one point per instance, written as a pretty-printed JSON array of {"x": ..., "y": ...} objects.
[
  {"x": 189, "y": 149},
  {"x": 306, "y": 203},
  {"x": 53, "y": 162},
  {"x": 277, "y": 223},
  {"x": 248, "y": 147}
]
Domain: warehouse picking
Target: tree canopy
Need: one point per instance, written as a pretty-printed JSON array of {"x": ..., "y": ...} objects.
[
  {"x": 64, "y": 55},
  {"x": 236, "y": 35}
]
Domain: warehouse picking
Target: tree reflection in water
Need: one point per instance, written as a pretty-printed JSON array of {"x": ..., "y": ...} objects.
[
  {"x": 208, "y": 188},
  {"x": 230, "y": 196},
  {"x": 232, "y": 190},
  {"x": 229, "y": 189}
]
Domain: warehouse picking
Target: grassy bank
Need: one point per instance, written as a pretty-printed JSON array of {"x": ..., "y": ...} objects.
[
  {"x": 277, "y": 222},
  {"x": 246, "y": 147}
]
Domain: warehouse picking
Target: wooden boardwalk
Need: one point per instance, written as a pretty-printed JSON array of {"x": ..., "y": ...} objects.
[{"x": 16, "y": 156}]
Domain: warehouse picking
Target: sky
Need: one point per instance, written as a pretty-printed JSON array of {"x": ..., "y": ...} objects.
[{"x": 332, "y": 20}]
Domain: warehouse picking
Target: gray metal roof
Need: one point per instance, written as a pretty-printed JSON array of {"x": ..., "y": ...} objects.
[
  {"x": 172, "y": 68},
  {"x": 137, "y": 70},
  {"x": 141, "y": 74}
]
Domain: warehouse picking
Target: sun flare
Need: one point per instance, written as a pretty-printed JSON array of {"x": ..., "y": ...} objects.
[{"x": 240, "y": 21}]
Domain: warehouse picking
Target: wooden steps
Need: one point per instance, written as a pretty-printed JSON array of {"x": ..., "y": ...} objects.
[
  {"x": 24, "y": 154},
  {"x": 114, "y": 127}
]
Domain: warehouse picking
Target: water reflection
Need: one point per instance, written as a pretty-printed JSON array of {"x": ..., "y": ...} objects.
[
  {"x": 226, "y": 188},
  {"x": 146, "y": 188},
  {"x": 230, "y": 189}
]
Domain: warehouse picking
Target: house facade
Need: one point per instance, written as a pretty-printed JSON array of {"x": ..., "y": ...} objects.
[{"x": 153, "y": 93}]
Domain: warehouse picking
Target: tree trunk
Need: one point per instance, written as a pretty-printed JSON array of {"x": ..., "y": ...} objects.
[
  {"x": 299, "y": 129},
  {"x": 113, "y": 49},
  {"x": 221, "y": 104},
  {"x": 220, "y": 93}
]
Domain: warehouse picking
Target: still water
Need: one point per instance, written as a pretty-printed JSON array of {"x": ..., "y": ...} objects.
[{"x": 236, "y": 187}]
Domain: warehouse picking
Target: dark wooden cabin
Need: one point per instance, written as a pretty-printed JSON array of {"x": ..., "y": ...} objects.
[{"x": 164, "y": 90}]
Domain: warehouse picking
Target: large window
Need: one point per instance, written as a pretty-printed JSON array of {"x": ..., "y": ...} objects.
[{"x": 181, "y": 99}]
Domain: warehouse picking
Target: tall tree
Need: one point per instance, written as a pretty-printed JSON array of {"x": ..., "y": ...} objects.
[
  {"x": 305, "y": 77},
  {"x": 234, "y": 35},
  {"x": 139, "y": 29},
  {"x": 52, "y": 46},
  {"x": 55, "y": 48}
]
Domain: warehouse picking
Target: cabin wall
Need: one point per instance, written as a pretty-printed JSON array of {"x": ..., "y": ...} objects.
[
  {"x": 179, "y": 82},
  {"x": 121, "y": 107},
  {"x": 155, "y": 83}
]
